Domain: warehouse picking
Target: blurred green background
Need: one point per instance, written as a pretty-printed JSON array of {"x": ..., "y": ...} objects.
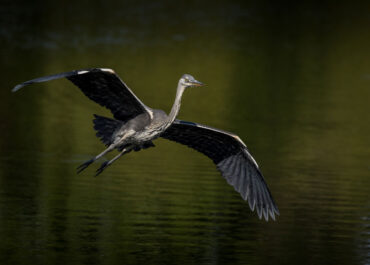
[{"x": 291, "y": 78}]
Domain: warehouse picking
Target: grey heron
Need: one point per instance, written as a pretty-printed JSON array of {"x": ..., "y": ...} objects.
[{"x": 136, "y": 125}]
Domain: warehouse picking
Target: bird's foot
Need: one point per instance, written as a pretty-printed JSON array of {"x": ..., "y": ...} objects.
[
  {"x": 84, "y": 165},
  {"x": 101, "y": 168}
]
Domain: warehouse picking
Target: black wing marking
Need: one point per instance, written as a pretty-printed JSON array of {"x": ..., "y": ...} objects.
[
  {"x": 233, "y": 160},
  {"x": 103, "y": 86}
]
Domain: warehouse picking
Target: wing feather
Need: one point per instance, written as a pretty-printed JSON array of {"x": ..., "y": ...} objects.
[
  {"x": 233, "y": 160},
  {"x": 241, "y": 180},
  {"x": 103, "y": 86}
]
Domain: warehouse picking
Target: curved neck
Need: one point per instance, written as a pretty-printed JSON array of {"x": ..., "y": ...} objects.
[{"x": 176, "y": 105}]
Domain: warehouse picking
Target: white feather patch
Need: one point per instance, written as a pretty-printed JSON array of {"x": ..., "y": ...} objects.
[{"x": 107, "y": 70}]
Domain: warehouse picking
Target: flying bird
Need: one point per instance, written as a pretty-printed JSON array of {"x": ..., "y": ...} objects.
[{"x": 134, "y": 126}]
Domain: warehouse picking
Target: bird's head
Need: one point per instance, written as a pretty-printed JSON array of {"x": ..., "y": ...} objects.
[{"x": 189, "y": 81}]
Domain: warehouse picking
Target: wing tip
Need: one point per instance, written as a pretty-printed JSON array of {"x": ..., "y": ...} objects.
[
  {"x": 264, "y": 213},
  {"x": 17, "y": 87},
  {"x": 273, "y": 213}
]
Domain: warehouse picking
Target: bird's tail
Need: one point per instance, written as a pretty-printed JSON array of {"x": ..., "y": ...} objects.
[{"x": 105, "y": 128}]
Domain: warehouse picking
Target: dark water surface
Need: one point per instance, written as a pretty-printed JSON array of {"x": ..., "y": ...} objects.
[{"x": 293, "y": 81}]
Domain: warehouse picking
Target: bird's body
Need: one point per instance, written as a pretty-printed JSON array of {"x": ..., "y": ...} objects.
[
  {"x": 141, "y": 129},
  {"x": 135, "y": 126},
  {"x": 156, "y": 124}
]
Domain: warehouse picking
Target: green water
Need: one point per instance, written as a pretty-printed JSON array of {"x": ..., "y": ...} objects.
[{"x": 292, "y": 80}]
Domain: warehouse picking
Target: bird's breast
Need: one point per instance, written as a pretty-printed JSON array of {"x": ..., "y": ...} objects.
[{"x": 145, "y": 135}]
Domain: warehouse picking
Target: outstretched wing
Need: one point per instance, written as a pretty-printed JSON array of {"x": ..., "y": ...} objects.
[
  {"x": 103, "y": 86},
  {"x": 232, "y": 158}
]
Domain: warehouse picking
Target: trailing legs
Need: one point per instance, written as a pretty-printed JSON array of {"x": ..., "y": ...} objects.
[
  {"x": 108, "y": 163},
  {"x": 89, "y": 162}
]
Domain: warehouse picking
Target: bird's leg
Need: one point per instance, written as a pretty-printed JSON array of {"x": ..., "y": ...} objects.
[
  {"x": 108, "y": 163},
  {"x": 89, "y": 162}
]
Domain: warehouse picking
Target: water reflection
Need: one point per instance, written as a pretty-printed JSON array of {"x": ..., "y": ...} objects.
[{"x": 289, "y": 81}]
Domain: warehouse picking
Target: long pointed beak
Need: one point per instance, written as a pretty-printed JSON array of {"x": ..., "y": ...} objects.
[{"x": 197, "y": 83}]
